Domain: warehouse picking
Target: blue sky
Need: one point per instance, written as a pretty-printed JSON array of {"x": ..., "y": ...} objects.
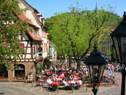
[{"x": 49, "y": 8}]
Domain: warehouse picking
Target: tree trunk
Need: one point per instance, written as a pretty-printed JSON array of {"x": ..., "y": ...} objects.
[
  {"x": 78, "y": 64},
  {"x": 69, "y": 60}
]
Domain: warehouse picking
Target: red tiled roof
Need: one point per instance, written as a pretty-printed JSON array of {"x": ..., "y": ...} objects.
[
  {"x": 25, "y": 19},
  {"x": 34, "y": 36}
]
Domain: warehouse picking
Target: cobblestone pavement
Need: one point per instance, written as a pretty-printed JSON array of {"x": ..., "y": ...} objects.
[
  {"x": 18, "y": 88},
  {"x": 10, "y": 88},
  {"x": 28, "y": 89}
]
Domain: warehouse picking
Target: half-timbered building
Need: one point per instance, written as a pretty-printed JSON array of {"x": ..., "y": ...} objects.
[{"x": 34, "y": 43}]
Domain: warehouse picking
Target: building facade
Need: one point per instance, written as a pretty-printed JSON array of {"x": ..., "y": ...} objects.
[{"x": 34, "y": 43}]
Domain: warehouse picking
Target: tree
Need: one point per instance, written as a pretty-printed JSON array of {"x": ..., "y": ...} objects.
[
  {"x": 75, "y": 32},
  {"x": 10, "y": 28},
  {"x": 101, "y": 22}
]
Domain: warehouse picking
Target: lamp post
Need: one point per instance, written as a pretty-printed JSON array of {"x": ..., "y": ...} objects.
[
  {"x": 96, "y": 65},
  {"x": 118, "y": 37}
]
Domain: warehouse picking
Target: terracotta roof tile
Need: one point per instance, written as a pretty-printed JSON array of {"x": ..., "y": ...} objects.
[
  {"x": 25, "y": 19},
  {"x": 34, "y": 36}
]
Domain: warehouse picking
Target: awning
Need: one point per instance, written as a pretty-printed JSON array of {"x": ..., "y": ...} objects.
[
  {"x": 25, "y": 19},
  {"x": 39, "y": 59},
  {"x": 34, "y": 36}
]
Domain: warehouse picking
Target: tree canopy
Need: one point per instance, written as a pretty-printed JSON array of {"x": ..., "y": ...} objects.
[{"x": 75, "y": 32}]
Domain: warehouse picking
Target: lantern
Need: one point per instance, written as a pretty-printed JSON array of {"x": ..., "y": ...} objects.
[
  {"x": 96, "y": 65},
  {"x": 118, "y": 37}
]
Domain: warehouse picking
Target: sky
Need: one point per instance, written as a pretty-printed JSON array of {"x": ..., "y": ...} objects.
[{"x": 49, "y": 8}]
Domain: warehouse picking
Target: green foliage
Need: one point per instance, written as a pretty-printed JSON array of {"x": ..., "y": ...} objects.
[
  {"x": 10, "y": 28},
  {"x": 75, "y": 32},
  {"x": 38, "y": 68}
]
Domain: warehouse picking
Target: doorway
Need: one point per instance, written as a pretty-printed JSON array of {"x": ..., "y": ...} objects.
[
  {"x": 3, "y": 72},
  {"x": 19, "y": 71}
]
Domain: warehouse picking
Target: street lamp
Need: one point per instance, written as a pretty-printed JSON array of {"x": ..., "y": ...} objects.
[
  {"x": 118, "y": 37},
  {"x": 96, "y": 65}
]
